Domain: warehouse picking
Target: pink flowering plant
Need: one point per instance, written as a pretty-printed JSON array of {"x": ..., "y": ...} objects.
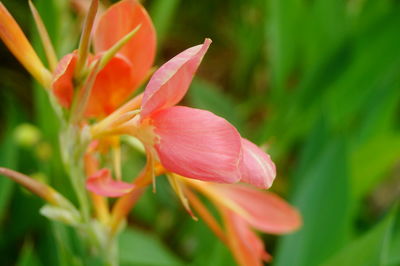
[{"x": 94, "y": 91}]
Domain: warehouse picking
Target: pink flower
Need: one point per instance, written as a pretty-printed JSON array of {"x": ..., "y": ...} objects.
[
  {"x": 243, "y": 208},
  {"x": 191, "y": 142}
]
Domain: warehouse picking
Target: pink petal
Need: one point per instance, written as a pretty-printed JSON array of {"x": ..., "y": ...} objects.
[
  {"x": 171, "y": 81},
  {"x": 256, "y": 166},
  {"x": 120, "y": 19},
  {"x": 197, "y": 144},
  {"x": 266, "y": 211},
  {"x": 246, "y": 246},
  {"x": 101, "y": 183}
]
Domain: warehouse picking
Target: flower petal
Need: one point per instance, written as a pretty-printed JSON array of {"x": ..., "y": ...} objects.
[
  {"x": 197, "y": 144},
  {"x": 256, "y": 167},
  {"x": 63, "y": 86},
  {"x": 115, "y": 23},
  {"x": 266, "y": 211},
  {"x": 246, "y": 246},
  {"x": 171, "y": 81},
  {"x": 113, "y": 85},
  {"x": 101, "y": 183}
]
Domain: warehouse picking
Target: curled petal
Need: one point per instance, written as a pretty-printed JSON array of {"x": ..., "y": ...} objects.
[
  {"x": 101, "y": 183},
  {"x": 266, "y": 211},
  {"x": 113, "y": 85},
  {"x": 246, "y": 245},
  {"x": 256, "y": 167},
  {"x": 171, "y": 81},
  {"x": 63, "y": 86},
  {"x": 197, "y": 144},
  {"x": 119, "y": 20}
]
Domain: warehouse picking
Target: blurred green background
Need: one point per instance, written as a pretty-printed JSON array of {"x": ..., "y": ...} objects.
[{"x": 315, "y": 81}]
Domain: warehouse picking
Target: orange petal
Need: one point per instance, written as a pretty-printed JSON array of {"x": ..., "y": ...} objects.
[
  {"x": 101, "y": 183},
  {"x": 246, "y": 246},
  {"x": 114, "y": 83},
  {"x": 265, "y": 211},
  {"x": 116, "y": 22},
  {"x": 63, "y": 86},
  {"x": 16, "y": 41}
]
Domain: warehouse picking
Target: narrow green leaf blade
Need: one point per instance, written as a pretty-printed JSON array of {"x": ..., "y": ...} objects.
[{"x": 139, "y": 248}]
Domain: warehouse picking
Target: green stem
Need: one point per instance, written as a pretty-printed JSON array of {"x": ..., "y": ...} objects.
[
  {"x": 78, "y": 184},
  {"x": 111, "y": 252},
  {"x": 73, "y": 146},
  {"x": 97, "y": 236}
]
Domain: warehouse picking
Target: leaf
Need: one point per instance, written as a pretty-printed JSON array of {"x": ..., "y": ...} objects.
[
  {"x": 219, "y": 254},
  {"x": 392, "y": 256},
  {"x": 323, "y": 198},
  {"x": 162, "y": 13},
  {"x": 139, "y": 248},
  {"x": 28, "y": 256},
  {"x": 379, "y": 246},
  {"x": 365, "y": 178},
  {"x": 56, "y": 17},
  {"x": 9, "y": 151},
  {"x": 284, "y": 32},
  {"x": 205, "y": 95}
]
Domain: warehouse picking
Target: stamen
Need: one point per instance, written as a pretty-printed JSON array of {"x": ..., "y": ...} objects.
[
  {"x": 117, "y": 158},
  {"x": 177, "y": 186},
  {"x": 151, "y": 164}
]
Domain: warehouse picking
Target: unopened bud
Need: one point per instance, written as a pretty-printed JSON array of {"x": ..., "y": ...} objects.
[
  {"x": 44, "y": 151},
  {"x": 27, "y": 135},
  {"x": 64, "y": 215}
]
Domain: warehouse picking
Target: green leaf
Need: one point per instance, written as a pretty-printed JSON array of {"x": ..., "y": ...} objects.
[
  {"x": 56, "y": 17},
  {"x": 284, "y": 32},
  {"x": 379, "y": 154},
  {"x": 323, "y": 198},
  {"x": 205, "y": 95},
  {"x": 219, "y": 254},
  {"x": 9, "y": 151},
  {"x": 27, "y": 256},
  {"x": 392, "y": 256},
  {"x": 379, "y": 246},
  {"x": 162, "y": 13},
  {"x": 139, "y": 248}
]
